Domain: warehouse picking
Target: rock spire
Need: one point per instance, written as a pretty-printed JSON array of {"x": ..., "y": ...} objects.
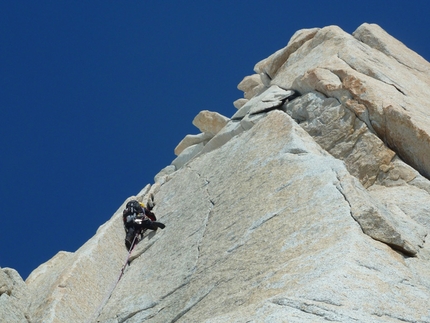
[{"x": 311, "y": 203}]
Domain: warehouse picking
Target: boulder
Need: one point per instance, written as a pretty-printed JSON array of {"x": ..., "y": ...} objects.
[
  {"x": 251, "y": 85},
  {"x": 240, "y": 103},
  {"x": 190, "y": 140},
  {"x": 271, "y": 65},
  {"x": 210, "y": 122},
  {"x": 270, "y": 99},
  {"x": 232, "y": 129}
]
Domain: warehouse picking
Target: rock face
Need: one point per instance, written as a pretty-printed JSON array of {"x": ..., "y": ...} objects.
[
  {"x": 14, "y": 297},
  {"x": 310, "y": 204},
  {"x": 383, "y": 82}
]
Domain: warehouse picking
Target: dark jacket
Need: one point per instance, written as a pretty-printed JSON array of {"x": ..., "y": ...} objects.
[{"x": 129, "y": 215}]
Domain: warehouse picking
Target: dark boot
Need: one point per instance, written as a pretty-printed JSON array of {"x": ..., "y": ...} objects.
[
  {"x": 159, "y": 225},
  {"x": 129, "y": 238},
  {"x": 150, "y": 225},
  {"x": 127, "y": 244}
]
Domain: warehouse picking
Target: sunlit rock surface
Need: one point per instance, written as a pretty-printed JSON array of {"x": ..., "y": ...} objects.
[{"x": 310, "y": 203}]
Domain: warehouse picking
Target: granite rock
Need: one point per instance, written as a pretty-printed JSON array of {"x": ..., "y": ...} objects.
[{"x": 309, "y": 205}]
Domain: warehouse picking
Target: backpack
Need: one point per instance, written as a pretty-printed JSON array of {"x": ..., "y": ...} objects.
[{"x": 133, "y": 207}]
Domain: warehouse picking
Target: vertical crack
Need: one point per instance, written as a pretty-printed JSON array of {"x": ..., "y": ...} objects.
[
  {"x": 205, "y": 187},
  {"x": 339, "y": 187}
]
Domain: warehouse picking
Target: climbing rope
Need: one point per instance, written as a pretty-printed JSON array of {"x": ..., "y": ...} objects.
[{"x": 109, "y": 294}]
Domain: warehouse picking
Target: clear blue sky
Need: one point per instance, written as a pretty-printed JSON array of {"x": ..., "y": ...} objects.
[{"x": 95, "y": 96}]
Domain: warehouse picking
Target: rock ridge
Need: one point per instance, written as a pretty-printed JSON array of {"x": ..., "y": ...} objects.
[{"x": 310, "y": 203}]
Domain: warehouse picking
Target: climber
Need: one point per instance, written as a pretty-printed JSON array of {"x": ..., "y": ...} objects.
[{"x": 137, "y": 217}]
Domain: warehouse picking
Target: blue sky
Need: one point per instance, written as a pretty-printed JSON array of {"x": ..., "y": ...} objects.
[{"x": 95, "y": 96}]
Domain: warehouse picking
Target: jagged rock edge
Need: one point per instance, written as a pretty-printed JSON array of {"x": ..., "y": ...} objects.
[
  {"x": 406, "y": 248},
  {"x": 407, "y": 251},
  {"x": 367, "y": 114}
]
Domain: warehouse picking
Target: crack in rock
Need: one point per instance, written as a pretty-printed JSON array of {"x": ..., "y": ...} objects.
[
  {"x": 402, "y": 319},
  {"x": 320, "y": 309},
  {"x": 191, "y": 303},
  {"x": 374, "y": 220},
  {"x": 174, "y": 290},
  {"x": 211, "y": 201},
  {"x": 258, "y": 223},
  {"x": 385, "y": 79},
  {"x": 132, "y": 314}
]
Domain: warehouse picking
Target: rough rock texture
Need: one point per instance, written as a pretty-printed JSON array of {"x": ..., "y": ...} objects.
[
  {"x": 271, "y": 65},
  {"x": 187, "y": 154},
  {"x": 190, "y": 140},
  {"x": 240, "y": 103},
  {"x": 210, "y": 122},
  {"x": 70, "y": 286},
  {"x": 310, "y": 204},
  {"x": 164, "y": 173},
  {"x": 342, "y": 134},
  {"x": 14, "y": 297},
  {"x": 377, "y": 77},
  {"x": 270, "y": 99},
  {"x": 270, "y": 250},
  {"x": 251, "y": 86}
]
